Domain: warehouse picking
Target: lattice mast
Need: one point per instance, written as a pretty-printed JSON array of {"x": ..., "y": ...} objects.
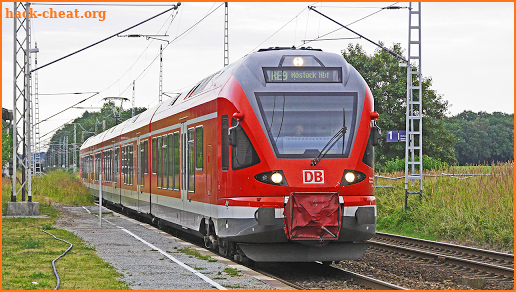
[
  {"x": 226, "y": 36},
  {"x": 21, "y": 103},
  {"x": 414, "y": 119}
]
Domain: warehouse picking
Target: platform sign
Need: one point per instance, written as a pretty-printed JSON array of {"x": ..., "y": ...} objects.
[
  {"x": 392, "y": 136},
  {"x": 396, "y": 136},
  {"x": 402, "y": 136}
]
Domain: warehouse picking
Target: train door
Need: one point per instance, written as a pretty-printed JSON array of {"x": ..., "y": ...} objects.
[
  {"x": 184, "y": 173},
  {"x": 139, "y": 174}
]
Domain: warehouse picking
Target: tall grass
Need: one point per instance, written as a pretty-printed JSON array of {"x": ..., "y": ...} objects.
[
  {"x": 478, "y": 210},
  {"x": 62, "y": 187}
]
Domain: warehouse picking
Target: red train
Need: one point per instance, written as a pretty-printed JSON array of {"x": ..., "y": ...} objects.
[{"x": 270, "y": 159}]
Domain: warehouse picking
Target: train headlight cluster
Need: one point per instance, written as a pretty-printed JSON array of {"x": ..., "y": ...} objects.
[
  {"x": 349, "y": 177},
  {"x": 352, "y": 177},
  {"x": 275, "y": 177}
]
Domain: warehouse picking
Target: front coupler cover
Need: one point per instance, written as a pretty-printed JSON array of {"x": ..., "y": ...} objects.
[{"x": 313, "y": 216}]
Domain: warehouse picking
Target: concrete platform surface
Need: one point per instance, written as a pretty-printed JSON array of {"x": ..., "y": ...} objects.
[{"x": 151, "y": 259}]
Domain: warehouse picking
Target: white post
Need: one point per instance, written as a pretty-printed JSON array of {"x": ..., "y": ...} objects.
[{"x": 100, "y": 199}]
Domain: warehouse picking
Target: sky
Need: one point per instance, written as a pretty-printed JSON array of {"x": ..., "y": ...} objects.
[{"x": 467, "y": 48}]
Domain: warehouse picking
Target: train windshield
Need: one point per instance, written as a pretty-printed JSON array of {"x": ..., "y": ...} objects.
[{"x": 300, "y": 125}]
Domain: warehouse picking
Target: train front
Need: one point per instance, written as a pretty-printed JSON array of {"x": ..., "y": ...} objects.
[{"x": 297, "y": 160}]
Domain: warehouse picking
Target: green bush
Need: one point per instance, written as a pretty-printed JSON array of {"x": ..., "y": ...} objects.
[{"x": 398, "y": 164}]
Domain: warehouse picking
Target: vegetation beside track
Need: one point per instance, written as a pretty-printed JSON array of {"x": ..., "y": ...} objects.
[
  {"x": 27, "y": 252},
  {"x": 476, "y": 211}
]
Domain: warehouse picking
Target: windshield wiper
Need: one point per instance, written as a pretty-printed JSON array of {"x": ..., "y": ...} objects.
[{"x": 332, "y": 142}]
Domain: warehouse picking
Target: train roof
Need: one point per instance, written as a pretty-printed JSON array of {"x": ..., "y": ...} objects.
[{"x": 245, "y": 70}]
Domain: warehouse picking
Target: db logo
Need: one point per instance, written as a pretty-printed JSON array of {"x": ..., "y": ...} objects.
[{"x": 313, "y": 176}]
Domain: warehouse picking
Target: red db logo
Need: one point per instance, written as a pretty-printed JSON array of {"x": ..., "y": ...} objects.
[{"x": 313, "y": 176}]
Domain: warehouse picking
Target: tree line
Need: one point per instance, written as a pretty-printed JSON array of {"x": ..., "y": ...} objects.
[{"x": 466, "y": 138}]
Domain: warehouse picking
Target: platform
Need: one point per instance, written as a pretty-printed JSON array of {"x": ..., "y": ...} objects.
[{"x": 151, "y": 259}]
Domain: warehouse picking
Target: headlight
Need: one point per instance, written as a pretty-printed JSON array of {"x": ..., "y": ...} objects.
[
  {"x": 276, "y": 178},
  {"x": 349, "y": 177},
  {"x": 352, "y": 177}
]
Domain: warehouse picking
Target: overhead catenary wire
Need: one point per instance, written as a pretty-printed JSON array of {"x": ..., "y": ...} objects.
[
  {"x": 382, "y": 47},
  {"x": 184, "y": 33},
  {"x": 66, "y": 109},
  {"x": 360, "y": 19},
  {"x": 105, "y": 39}
]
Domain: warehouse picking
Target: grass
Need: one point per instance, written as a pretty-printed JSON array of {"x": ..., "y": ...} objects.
[
  {"x": 27, "y": 252},
  {"x": 63, "y": 187},
  {"x": 477, "y": 211},
  {"x": 233, "y": 272},
  {"x": 195, "y": 253}
]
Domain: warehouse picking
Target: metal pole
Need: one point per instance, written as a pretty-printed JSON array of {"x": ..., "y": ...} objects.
[
  {"x": 28, "y": 152},
  {"x": 74, "y": 147},
  {"x": 160, "y": 73},
  {"x": 15, "y": 110},
  {"x": 133, "y": 101}
]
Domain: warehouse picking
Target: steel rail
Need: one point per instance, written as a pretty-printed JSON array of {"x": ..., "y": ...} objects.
[
  {"x": 506, "y": 257},
  {"x": 290, "y": 284},
  {"x": 368, "y": 281},
  {"x": 476, "y": 265}
]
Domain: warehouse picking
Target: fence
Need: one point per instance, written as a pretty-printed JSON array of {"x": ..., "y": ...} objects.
[{"x": 457, "y": 176}]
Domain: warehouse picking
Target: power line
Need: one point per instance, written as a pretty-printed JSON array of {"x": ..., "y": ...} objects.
[
  {"x": 99, "y": 4},
  {"x": 173, "y": 8},
  {"x": 369, "y": 15},
  {"x": 66, "y": 109},
  {"x": 171, "y": 42},
  {"x": 68, "y": 93},
  {"x": 277, "y": 30}
]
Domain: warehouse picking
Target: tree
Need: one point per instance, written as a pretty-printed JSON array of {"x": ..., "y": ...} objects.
[
  {"x": 387, "y": 81},
  {"x": 7, "y": 142},
  {"x": 482, "y": 137},
  {"x": 91, "y": 123}
]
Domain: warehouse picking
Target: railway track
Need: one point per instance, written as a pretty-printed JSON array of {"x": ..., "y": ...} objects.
[
  {"x": 490, "y": 262},
  {"x": 319, "y": 276},
  {"x": 292, "y": 274}
]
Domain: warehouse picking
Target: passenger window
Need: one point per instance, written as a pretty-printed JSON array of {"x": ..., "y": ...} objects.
[
  {"x": 164, "y": 163},
  {"x": 198, "y": 148},
  {"x": 191, "y": 160},
  {"x": 170, "y": 151},
  {"x": 176, "y": 161},
  {"x": 154, "y": 159},
  {"x": 159, "y": 163}
]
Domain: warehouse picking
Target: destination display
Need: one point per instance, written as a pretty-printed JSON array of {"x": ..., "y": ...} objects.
[{"x": 303, "y": 75}]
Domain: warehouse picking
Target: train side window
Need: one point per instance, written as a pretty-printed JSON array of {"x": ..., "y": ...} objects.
[
  {"x": 141, "y": 169},
  {"x": 165, "y": 162},
  {"x": 159, "y": 163},
  {"x": 145, "y": 157},
  {"x": 224, "y": 142},
  {"x": 131, "y": 163},
  {"x": 177, "y": 161},
  {"x": 116, "y": 163},
  {"x": 124, "y": 165},
  {"x": 243, "y": 154},
  {"x": 199, "y": 148},
  {"x": 191, "y": 160},
  {"x": 170, "y": 153},
  {"x": 154, "y": 159}
]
